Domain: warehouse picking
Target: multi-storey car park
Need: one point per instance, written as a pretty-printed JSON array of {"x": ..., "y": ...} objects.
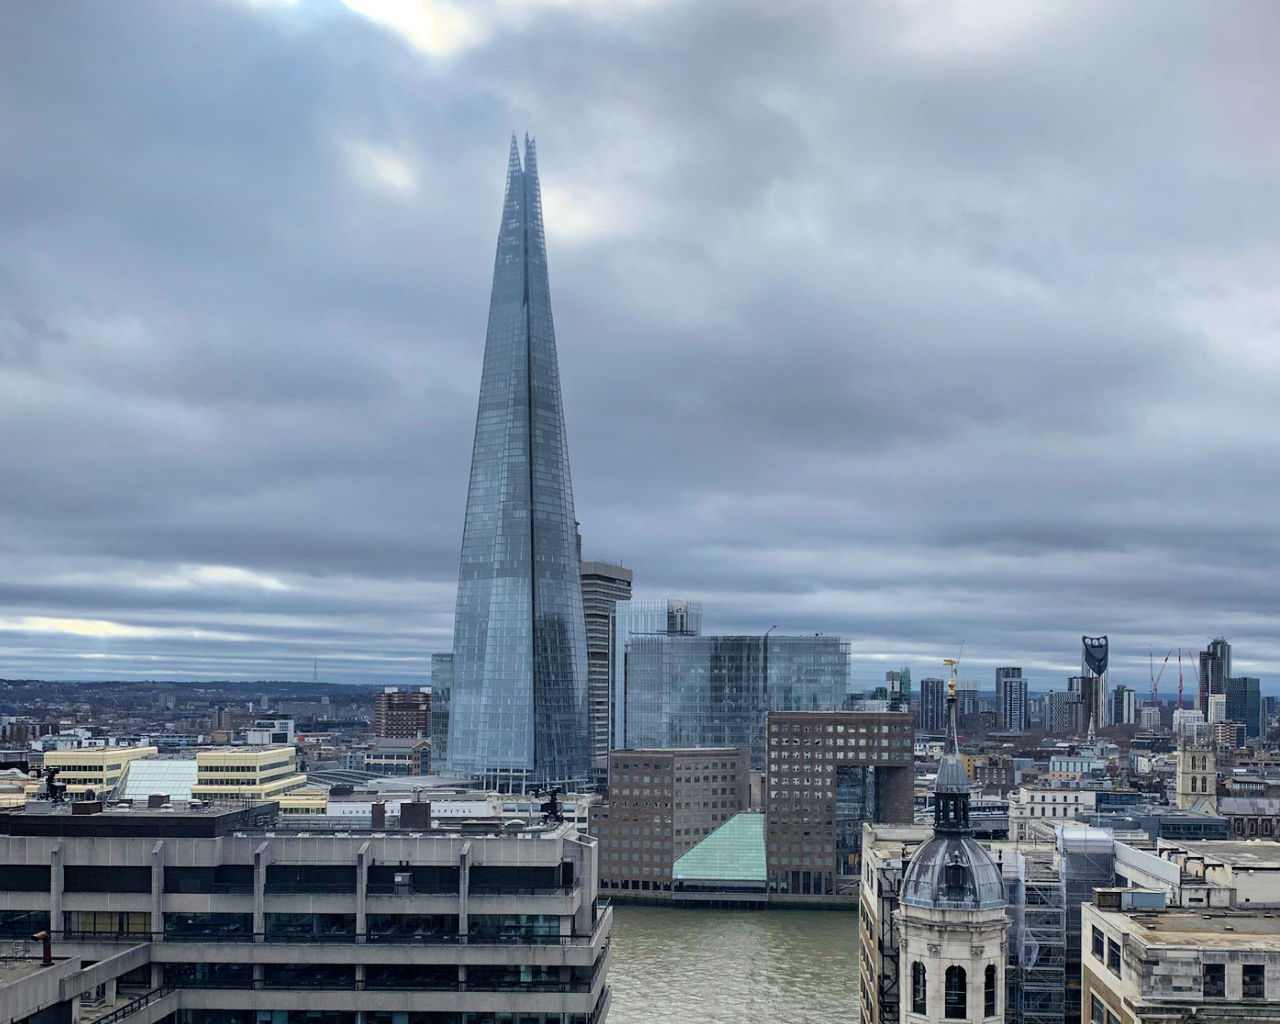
[{"x": 214, "y": 916}]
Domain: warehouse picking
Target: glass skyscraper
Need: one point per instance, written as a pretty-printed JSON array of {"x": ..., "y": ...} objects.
[{"x": 518, "y": 708}]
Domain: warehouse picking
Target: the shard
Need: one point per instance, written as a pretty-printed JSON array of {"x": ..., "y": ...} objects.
[{"x": 518, "y": 708}]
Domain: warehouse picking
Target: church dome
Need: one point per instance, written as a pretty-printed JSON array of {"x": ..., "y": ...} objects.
[{"x": 953, "y": 873}]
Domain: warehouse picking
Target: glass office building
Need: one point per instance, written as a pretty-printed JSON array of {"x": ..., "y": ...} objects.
[
  {"x": 518, "y": 708},
  {"x": 714, "y": 691}
]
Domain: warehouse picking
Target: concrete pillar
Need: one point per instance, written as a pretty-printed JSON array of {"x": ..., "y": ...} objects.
[
  {"x": 157, "y": 976},
  {"x": 584, "y": 854},
  {"x": 464, "y": 886},
  {"x": 157, "y": 892},
  {"x": 360, "y": 988},
  {"x": 261, "y": 858},
  {"x": 362, "y": 885},
  {"x": 55, "y": 893},
  {"x": 257, "y": 976},
  {"x": 111, "y": 992},
  {"x": 75, "y": 1009}
]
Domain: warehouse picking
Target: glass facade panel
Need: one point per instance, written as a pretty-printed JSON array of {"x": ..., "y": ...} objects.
[
  {"x": 518, "y": 704},
  {"x": 223, "y": 927},
  {"x": 713, "y": 691}
]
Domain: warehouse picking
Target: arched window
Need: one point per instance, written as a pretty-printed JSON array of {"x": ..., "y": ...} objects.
[
  {"x": 1204, "y": 784},
  {"x": 989, "y": 992},
  {"x": 919, "y": 1000},
  {"x": 1193, "y": 782},
  {"x": 956, "y": 996}
]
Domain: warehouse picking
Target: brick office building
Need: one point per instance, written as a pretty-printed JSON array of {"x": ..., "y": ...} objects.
[
  {"x": 827, "y": 773},
  {"x": 662, "y": 802}
]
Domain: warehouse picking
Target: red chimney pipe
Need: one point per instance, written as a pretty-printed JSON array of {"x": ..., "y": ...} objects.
[{"x": 46, "y": 959}]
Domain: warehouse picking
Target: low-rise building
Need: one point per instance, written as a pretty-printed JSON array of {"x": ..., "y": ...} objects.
[
  {"x": 246, "y": 774},
  {"x": 1145, "y": 963},
  {"x": 96, "y": 769},
  {"x": 661, "y": 803},
  {"x": 398, "y": 757},
  {"x": 268, "y": 732},
  {"x": 1030, "y": 803}
]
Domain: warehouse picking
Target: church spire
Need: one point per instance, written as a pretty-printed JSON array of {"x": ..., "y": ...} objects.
[{"x": 951, "y": 790}]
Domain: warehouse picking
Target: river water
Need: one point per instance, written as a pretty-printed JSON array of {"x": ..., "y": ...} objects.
[{"x": 722, "y": 966}]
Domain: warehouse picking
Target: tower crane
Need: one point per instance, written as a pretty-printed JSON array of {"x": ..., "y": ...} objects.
[{"x": 1155, "y": 677}]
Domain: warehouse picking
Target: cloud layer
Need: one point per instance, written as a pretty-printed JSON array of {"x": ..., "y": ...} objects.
[{"x": 913, "y": 323}]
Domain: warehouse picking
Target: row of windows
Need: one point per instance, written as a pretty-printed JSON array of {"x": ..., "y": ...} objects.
[
  {"x": 955, "y": 992},
  {"x": 1112, "y": 950},
  {"x": 628, "y": 766},
  {"x": 789, "y": 728}
]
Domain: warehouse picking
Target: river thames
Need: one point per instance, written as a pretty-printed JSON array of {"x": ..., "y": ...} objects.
[{"x": 722, "y": 966}]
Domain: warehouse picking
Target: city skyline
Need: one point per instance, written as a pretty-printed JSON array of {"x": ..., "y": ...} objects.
[{"x": 889, "y": 353}]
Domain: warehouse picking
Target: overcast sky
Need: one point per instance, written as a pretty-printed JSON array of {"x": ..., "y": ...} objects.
[{"x": 915, "y": 322}]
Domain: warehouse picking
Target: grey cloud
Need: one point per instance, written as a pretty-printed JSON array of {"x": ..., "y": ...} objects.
[{"x": 869, "y": 323}]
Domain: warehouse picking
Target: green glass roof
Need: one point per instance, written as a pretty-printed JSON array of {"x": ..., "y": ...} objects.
[{"x": 732, "y": 853}]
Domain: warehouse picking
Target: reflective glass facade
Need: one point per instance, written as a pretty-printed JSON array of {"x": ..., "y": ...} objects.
[
  {"x": 518, "y": 709},
  {"x": 714, "y": 691},
  {"x": 441, "y": 695},
  {"x": 641, "y": 617}
]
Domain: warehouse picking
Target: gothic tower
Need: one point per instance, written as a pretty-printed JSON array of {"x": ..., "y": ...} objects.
[
  {"x": 1197, "y": 775},
  {"x": 951, "y": 917}
]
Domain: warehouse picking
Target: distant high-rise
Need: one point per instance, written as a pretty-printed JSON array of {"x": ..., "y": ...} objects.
[
  {"x": 898, "y": 686},
  {"x": 1011, "y": 698},
  {"x": 1094, "y": 659},
  {"x": 603, "y": 586},
  {"x": 518, "y": 713},
  {"x": 933, "y": 704},
  {"x": 1244, "y": 704},
  {"x": 401, "y": 715},
  {"x": 1215, "y": 670},
  {"x": 1124, "y": 706},
  {"x": 1001, "y": 675}
]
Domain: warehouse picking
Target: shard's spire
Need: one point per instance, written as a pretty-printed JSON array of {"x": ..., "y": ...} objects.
[
  {"x": 513, "y": 162},
  {"x": 518, "y": 711}
]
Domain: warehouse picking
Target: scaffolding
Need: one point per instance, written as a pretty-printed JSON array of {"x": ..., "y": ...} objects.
[
  {"x": 1086, "y": 862},
  {"x": 1036, "y": 969}
]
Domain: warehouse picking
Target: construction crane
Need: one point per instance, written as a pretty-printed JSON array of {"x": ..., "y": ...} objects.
[
  {"x": 1203, "y": 700},
  {"x": 1179, "y": 678},
  {"x": 1155, "y": 678}
]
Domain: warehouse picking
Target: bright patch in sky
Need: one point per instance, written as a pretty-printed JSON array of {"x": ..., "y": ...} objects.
[
  {"x": 99, "y": 628},
  {"x": 380, "y": 167},
  {"x": 436, "y": 28}
]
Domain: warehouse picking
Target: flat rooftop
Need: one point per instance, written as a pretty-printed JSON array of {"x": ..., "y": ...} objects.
[
  {"x": 1224, "y": 929},
  {"x": 16, "y": 968},
  {"x": 1241, "y": 853}
]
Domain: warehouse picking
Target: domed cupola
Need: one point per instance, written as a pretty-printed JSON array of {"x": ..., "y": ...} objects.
[{"x": 952, "y": 871}]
